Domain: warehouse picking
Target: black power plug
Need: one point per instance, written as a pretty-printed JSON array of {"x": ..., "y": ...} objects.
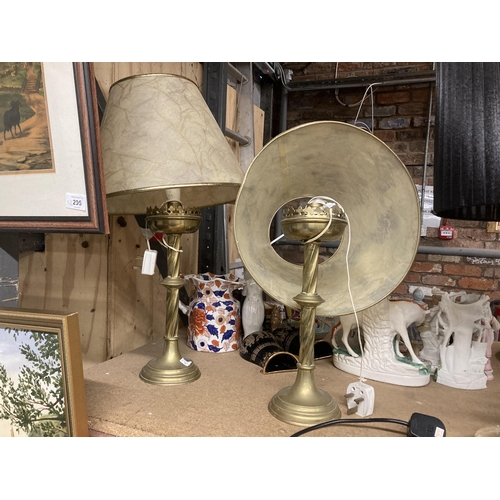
[{"x": 425, "y": 426}]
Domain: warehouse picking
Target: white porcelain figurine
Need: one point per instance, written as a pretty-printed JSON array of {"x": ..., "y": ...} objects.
[
  {"x": 253, "y": 311},
  {"x": 462, "y": 325},
  {"x": 382, "y": 325}
]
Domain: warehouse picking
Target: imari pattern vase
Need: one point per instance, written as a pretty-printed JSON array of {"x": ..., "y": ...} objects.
[{"x": 214, "y": 315}]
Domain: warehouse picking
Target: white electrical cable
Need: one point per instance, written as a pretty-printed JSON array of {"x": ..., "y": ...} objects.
[
  {"x": 330, "y": 205},
  {"x": 369, "y": 88},
  {"x": 166, "y": 245},
  {"x": 161, "y": 242},
  {"x": 275, "y": 240}
]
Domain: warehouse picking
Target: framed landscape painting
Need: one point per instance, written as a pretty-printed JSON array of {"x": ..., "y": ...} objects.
[
  {"x": 51, "y": 177},
  {"x": 42, "y": 391}
]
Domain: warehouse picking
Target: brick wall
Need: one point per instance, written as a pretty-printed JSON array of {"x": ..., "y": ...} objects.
[{"x": 399, "y": 116}]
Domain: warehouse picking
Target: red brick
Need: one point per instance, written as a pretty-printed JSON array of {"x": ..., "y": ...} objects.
[
  {"x": 489, "y": 272},
  {"x": 467, "y": 223},
  {"x": 462, "y": 243},
  {"x": 426, "y": 267},
  {"x": 456, "y": 269},
  {"x": 401, "y": 289},
  {"x": 398, "y": 147},
  {"x": 385, "y": 135},
  {"x": 410, "y": 134},
  {"x": 477, "y": 234},
  {"x": 412, "y": 278},
  {"x": 438, "y": 280},
  {"x": 318, "y": 68},
  {"x": 494, "y": 295},
  {"x": 421, "y": 121},
  {"x": 349, "y": 66},
  {"x": 393, "y": 97},
  {"x": 478, "y": 284},
  {"x": 492, "y": 245},
  {"x": 412, "y": 108},
  {"x": 421, "y": 95},
  {"x": 432, "y": 232},
  {"x": 422, "y": 257}
]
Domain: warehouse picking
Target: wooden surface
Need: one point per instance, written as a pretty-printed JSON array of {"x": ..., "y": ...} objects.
[
  {"x": 231, "y": 398},
  {"x": 70, "y": 276},
  {"x": 109, "y": 72}
]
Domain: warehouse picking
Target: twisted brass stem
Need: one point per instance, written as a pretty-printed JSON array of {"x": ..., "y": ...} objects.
[
  {"x": 173, "y": 285},
  {"x": 310, "y": 268},
  {"x": 308, "y": 300}
]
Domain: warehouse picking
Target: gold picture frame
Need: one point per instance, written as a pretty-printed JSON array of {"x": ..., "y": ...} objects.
[
  {"x": 42, "y": 391},
  {"x": 51, "y": 173}
]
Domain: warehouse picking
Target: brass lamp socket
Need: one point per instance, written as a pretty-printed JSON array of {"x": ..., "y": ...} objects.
[
  {"x": 304, "y": 223},
  {"x": 172, "y": 218}
]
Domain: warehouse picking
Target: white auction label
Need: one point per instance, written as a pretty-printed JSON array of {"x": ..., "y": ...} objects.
[
  {"x": 185, "y": 362},
  {"x": 76, "y": 201}
]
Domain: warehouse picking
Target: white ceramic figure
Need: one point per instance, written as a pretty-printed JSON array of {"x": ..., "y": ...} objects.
[
  {"x": 381, "y": 360},
  {"x": 253, "y": 311},
  {"x": 462, "y": 325},
  {"x": 402, "y": 313}
]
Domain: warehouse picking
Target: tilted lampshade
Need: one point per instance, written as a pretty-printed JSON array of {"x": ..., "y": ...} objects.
[{"x": 158, "y": 133}]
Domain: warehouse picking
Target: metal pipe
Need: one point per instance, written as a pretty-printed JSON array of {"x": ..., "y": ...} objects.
[
  {"x": 240, "y": 77},
  {"x": 456, "y": 251},
  {"x": 317, "y": 85},
  {"x": 461, "y": 252},
  {"x": 244, "y": 141}
]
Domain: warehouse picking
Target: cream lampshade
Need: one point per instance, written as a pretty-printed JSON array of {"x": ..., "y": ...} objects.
[
  {"x": 165, "y": 156},
  {"x": 158, "y": 133}
]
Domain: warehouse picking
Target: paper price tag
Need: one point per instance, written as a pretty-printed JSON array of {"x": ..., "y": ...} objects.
[
  {"x": 185, "y": 362},
  {"x": 76, "y": 202}
]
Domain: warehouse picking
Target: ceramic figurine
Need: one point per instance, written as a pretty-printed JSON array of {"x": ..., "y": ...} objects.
[
  {"x": 463, "y": 322},
  {"x": 214, "y": 316},
  {"x": 402, "y": 313},
  {"x": 253, "y": 311},
  {"x": 382, "y": 324}
]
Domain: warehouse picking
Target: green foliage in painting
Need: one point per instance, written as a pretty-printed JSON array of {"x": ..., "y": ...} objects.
[
  {"x": 13, "y": 74},
  {"x": 35, "y": 404}
]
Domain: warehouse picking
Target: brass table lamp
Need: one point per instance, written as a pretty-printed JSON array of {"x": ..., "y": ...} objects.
[
  {"x": 379, "y": 201},
  {"x": 165, "y": 156}
]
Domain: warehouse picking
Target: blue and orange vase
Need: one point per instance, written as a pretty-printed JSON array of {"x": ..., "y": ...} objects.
[{"x": 214, "y": 314}]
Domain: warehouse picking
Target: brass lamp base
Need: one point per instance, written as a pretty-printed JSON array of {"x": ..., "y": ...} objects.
[
  {"x": 170, "y": 368},
  {"x": 303, "y": 403}
]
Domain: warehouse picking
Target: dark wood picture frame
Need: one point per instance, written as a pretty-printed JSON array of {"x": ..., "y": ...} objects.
[
  {"x": 42, "y": 388},
  {"x": 95, "y": 220}
]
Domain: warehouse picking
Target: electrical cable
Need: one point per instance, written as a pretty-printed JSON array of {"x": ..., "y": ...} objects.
[
  {"x": 350, "y": 421},
  {"x": 280, "y": 73},
  {"x": 330, "y": 205},
  {"x": 162, "y": 242}
]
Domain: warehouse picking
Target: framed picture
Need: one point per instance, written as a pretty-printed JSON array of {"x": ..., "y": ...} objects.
[
  {"x": 51, "y": 177},
  {"x": 42, "y": 389}
]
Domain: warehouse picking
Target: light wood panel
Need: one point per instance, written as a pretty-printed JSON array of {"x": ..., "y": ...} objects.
[
  {"x": 70, "y": 276},
  {"x": 109, "y": 72},
  {"x": 136, "y": 301},
  {"x": 257, "y": 145}
]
